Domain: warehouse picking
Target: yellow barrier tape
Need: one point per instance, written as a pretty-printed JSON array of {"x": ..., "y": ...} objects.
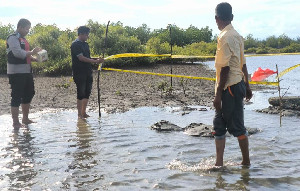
[
  {"x": 136, "y": 55},
  {"x": 287, "y": 70},
  {"x": 264, "y": 83},
  {"x": 186, "y": 56},
  {"x": 159, "y": 74},
  {"x": 127, "y": 55},
  {"x": 278, "y": 54},
  {"x": 182, "y": 76}
]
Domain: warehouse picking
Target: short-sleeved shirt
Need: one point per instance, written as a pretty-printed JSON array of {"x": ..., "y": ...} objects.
[
  {"x": 230, "y": 52},
  {"x": 80, "y": 48}
]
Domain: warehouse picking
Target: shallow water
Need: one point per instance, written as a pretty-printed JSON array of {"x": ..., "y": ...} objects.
[{"x": 120, "y": 152}]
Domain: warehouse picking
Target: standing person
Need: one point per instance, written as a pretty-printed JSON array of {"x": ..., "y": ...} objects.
[
  {"x": 82, "y": 69},
  {"x": 231, "y": 85},
  {"x": 19, "y": 72}
]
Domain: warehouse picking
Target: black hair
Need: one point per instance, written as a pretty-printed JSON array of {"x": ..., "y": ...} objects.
[
  {"x": 83, "y": 30},
  {"x": 224, "y": 11},
  {"x": 23, "y": 23}
]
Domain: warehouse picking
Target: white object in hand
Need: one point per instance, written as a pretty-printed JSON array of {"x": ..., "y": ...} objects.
[{"x": 42, "y": 56}]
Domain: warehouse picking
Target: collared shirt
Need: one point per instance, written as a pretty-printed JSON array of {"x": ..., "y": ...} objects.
[
  {"x": 79, "y": 48},
  {"x": 13, "y": 42},
  {"x": 230, "y": 52}
]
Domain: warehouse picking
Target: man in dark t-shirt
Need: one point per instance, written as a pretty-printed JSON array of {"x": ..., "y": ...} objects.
[{"x": 82, "y": 69}]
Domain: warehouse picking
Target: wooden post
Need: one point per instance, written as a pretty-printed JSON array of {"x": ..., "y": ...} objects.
[
  {"x": 280, "y": 98},
  {"x": 171, "y": 42},
  {"x": 100, "y": 67}
]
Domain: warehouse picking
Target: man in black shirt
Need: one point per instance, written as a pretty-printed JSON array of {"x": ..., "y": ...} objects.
[{"x": 82, "y": 69}]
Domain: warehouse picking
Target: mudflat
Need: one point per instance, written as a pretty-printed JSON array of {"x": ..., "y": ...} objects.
[{"x": 122, "y": 91}]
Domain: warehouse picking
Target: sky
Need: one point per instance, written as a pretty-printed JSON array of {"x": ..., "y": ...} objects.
[{"x": 261, "y": 18}]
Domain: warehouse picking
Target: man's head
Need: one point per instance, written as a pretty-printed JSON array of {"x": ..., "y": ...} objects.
[
  {"x": 23, "y": 27},
  {"x": 223, "y": 15},
  {"x": 83, "y": 33}
]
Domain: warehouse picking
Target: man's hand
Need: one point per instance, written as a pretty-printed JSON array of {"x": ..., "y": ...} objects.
[
  {"x": 35, "y": 50},
  {"x": 99, "y": 60},
  {"x": 217, "y": 103},
  {"x": 248, "y": 93}
]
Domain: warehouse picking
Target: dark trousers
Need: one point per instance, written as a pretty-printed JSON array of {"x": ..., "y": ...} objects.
[
  {"x": 231, "y": 116},
  {"x": 22, "y": 88},
  {"x": 84, "y": 83}
]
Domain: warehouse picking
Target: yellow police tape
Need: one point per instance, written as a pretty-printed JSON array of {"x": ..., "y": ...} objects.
[
  {"x": 287, "y": 70},
  {"x": 136, "y": 55},
  {"x": 127, "y": 55},
  {"x": 182, "y": 76},
  {"x": 275, "y": 54}
]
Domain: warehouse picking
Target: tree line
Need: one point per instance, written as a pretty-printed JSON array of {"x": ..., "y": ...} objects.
[{"x": 126, "y": 39}]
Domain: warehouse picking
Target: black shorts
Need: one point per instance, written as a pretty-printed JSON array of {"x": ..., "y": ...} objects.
[
  {"x": 84, "y": 84},
  {"x": 22, "y": 88},
  {"x": 231, "y": 116}
]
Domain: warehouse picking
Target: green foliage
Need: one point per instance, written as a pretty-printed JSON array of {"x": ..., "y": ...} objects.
[
  {"x": 250, "y": 42},
  {"x": 261, "y": 51},
  {"x": 201, "y": 48},
  {"x": 3, "y": 57},
  {"x": 49, "y": 37},
  {"x": 284, "y": 41},
  {"x": 272, "y": 42},
  {"x": 6, "y": 30},
  {"x": 294, "y": 47},
  {"x": 156, "y": 46},
  {"x": 53, "y": 67},
  {"x": 126, "y": 39},
  {"x": 183, "y": 84},
  {"x": 251, "y": 50},
  {"x": 118, "y": 93},
  {"x": 164, "y": 88},
  {"x": 128, "y": 62},
  {"x": 119, "y": 39},
  {"x": 194, "y": 35}
]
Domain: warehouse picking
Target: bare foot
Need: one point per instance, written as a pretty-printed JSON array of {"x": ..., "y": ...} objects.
[
  {"x": 85, "y": 115},
  {"x": 27, "y": 121},
  {"x": 246, "y": 163}
]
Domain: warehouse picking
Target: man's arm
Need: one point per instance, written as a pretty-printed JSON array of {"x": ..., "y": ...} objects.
[
  {"x": 90, "y": 60},
  {"x": 223, "y": 79},
  {"x": 14, "y": 46},
  {"x": 248, "y": 90}
]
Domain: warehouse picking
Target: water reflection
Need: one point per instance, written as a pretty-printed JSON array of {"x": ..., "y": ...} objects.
[
  {"x": 82, "y": 172},
  {"x": 241, "y": 184},
  {"x": 21, "y": 166}
]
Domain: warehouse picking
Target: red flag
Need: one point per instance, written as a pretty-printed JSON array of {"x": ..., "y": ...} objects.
[{"x": 261, "y": 74}]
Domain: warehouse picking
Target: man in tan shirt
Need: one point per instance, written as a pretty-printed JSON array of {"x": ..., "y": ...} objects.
[{"x": 231, "y": 85}]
